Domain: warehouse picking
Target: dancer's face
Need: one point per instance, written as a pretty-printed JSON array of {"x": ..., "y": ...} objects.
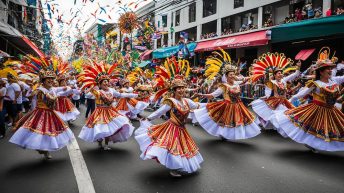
[
  {"x": 230, "y": 76},
  {"x": 278, "y": 75},
  {"x": 48, "y": 82},
  {"x": 104, "y": 84},
  {"x": 326, "y": 73},
  {"x": 180, "y": 91},
  {"x": 63, "y": 82}
]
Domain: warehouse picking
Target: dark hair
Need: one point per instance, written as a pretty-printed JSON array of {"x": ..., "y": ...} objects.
[
  {"x": 317, "y": 72},
  {"x": 100, "y": 82},
  {"x": 229, "y": 72},
  {"x": 275, "y": 72}
]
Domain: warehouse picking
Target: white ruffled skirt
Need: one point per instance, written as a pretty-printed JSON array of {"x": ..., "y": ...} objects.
[
  {"x": 162, "y": 155},
  {"x": 289, "y": 129},
  {"x": 230, "y": 133},
  {"x": 118, "y": 127},
  {"x": 31, "y": 140}
]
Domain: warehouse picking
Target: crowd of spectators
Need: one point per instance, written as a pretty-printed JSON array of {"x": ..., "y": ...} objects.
[{"x": 208, "y": 35}]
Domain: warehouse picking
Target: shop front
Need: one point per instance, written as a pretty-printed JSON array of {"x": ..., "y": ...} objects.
[
  {"x": 310, "y": 34},
  {"x": 245, "y": 46}
]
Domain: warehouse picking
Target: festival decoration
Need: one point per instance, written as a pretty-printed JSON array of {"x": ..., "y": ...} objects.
[
  {"x": 269, "y": 62},
  {"x": 172, "y": 69},
  {"x": 128, "y": 22},
  {"x": 215, "y": 63}
]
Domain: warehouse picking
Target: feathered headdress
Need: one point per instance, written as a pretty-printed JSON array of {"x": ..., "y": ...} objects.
[
  {"x": 216, "y": 62},
  {"x": 95, "y": 73},
  {"x": 170, "y": 71},
  {"x": 324, "y": 58},
  {"x": 41, "y": 67},
  {"x": 135, "y": 75},
  {"x": 270, "y": 62},
  {"x": 62, "y": 70}
]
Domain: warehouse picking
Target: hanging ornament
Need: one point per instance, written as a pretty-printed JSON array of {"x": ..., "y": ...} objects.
[{"x": 128, "y": 22}]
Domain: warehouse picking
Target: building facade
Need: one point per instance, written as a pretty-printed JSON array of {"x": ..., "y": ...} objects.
[
  {"x": 216, "y": 17},
  {"x": 25, "y": 16},
  {"x": 220, "y": 22}
]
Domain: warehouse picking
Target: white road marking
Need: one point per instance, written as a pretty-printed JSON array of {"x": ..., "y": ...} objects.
[{"x": 81, "y": 173}]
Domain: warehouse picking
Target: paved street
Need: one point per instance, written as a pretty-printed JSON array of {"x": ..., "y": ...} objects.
[{"x": 267, "y": 163}]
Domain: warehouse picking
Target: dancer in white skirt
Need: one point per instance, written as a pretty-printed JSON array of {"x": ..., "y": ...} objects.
[
  {"x": 275, "y": 89},
  {"x": 130, "y": 106},
  {"x": 169, "y": 143},
  {"x": 229, "y": 119},
  {"x": 105, "y": 123},
  {"x": 319, "y": 125},
  {"x": 42, "y": 129},
  {"x": 64, "y": 106}
]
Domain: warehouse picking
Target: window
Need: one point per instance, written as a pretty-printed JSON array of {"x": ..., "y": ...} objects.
[
  {"x": 165, "y": 40},
  {"x": 209, "y": 7},
  {"x": 238, "y": 3},
  {"x": 226, "y": 26},
  {"x": 172, "y": 19},
  {"x": 178, "y": 18},
  {"x": 164, "y": 21},
  {"x": 192, "y": 12}
]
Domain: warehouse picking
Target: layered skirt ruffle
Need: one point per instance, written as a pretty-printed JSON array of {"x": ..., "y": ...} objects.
[
  {"x": 232, "y": 121},
  {"x": 192, "y": 116},
  {"x": 267, "y": 109},
  {"x": 130, "y": 107},
  {"x": 170, "y": 145},
  {"x": 106, "y": 122},
  {"x": 321, "y": 127},
  {"x": 65, "y": 109},
  {"x": 42, "y": 129}
]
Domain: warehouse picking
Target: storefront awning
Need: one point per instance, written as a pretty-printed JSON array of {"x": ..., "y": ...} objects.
[
  {"x": 9, "y": 30},
  {"x": 170, "y": 51},
  {"x": 19, "y": 2},
  {"x": 312, "y": 28},
  {"x": 17, "y": 40},
  {"x": 304, "y": 54},
  {"x": 144, "y": 63},
  {"x": 244, "y": 40},
  {"x": 4, "y": 54},
  {"x": 146, "y": 55}
]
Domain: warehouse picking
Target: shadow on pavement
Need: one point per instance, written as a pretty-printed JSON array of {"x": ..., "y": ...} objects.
[
  {"x": 36, "y": 167},
  {"x": 108, "y": 155},
  {"x": 160, "y": 180},
  {"x": 237, "y": 145},
  {"x": 326, "y": 163}
]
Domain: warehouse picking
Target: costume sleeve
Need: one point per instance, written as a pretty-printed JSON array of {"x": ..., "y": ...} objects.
[
  {"x": 161, "y": 111},
  {"x": 62, "y": 92},
  {"x": 217, "y": 92},
  {"x": 338, "y": 79},
  {"x": 58, "y": 89},
  {"x": 123, "y": 95},
  {"x": 303, "y": 92},
  {"x": 292, "y": 76},
  {"x": 267, "y": 91},
  {"x": 192, "y": 104}
]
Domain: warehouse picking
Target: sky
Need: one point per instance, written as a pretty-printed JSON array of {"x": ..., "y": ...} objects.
[{"x": 69, "y": 19}]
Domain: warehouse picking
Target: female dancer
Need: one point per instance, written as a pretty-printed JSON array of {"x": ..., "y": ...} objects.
[
  {"x": 42, "y": 129},
  {"x": 229, "y": 118},
  {"x": 129, "y": 106},
  {"x": 319, "y": 125},
  {"x": 275, "y": 89},
  {"x": 169, "y": 143},
  {"x": 64, "y": 107},
  {"x": 105, "y": 122}
]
